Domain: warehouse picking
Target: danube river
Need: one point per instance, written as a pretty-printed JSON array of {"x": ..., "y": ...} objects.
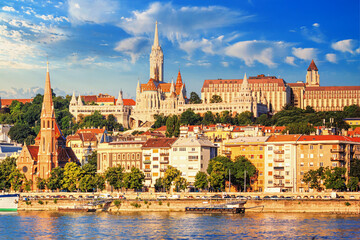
[{"x": 52, "y": 225}]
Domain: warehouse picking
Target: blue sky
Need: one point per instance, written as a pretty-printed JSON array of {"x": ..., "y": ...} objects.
[{"x": 102, "y": 46}]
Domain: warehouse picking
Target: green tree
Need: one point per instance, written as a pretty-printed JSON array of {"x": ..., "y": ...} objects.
[
  {"x": 263, "y": 120},
  {"x": 353, "y": 184},
  {"x": 100, "y": 181},
  {"x": 27, "y": 185},
  {"x": 355, "y": 168},
  {"x": 314, "y": 178},
  {"x": 201, "y": 180},
  {"x": 55, "y": 181},
  {"x": 241, "y": 167},
  {"x": 72, "y": 175},
  {"x": 92, "y": 159},
  {"x": 180, "y": 183},
  {"x": 217, "y": 176},
  {"x": 352, "y": 111},
  {"x": 7, "y": 166},
  {"x": 172, "y": 126},
  {"x": 89, "y": 169},
  {"x": 40, "y": 183},
  {"x": 335, "y": 178},
  {"x": 135, "y": 179},
  {"x": 299, "y": 128},
  {"x": 16, "y": 179},
  {"x": 226, "y": 118},
  {"x": 159, "y": 184},
  {"x": 114, "y": 176},
  {"x": 244, "y": 118},
  {"x": 189, "y": 117},
  {"x": 216, "y": 99},
  {"x": 19, "y": 132},
  {"x": 171, "y": 175},
  {"x": 194, "y": 98},
  {"x": 226, "y": 162},
  {"x": 87, "y": 183},
  {"x": 160, "y": 120},
  {"x": 208, "y": 118}
]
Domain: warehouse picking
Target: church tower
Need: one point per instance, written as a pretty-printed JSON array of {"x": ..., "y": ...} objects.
[
  {"x": 156, "y": 59},
  {"x": 48, "y": 142},
  {"x": 312, "y": 76}
]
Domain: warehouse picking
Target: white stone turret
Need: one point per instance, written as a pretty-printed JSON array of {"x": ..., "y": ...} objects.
[
  {"x": 172, "y": 86},
  {"x": 156, "y": 59},
  {"x": 80, "y": 103},
  {"x": 120, "y": 100},
  {"x": 73, "y": 100}
]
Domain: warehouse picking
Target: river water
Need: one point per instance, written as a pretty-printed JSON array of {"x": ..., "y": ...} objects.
[{"x": 52, "y": 225}]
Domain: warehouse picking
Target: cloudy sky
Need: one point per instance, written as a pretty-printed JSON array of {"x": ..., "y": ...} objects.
[{"x": 102, "y": 46}]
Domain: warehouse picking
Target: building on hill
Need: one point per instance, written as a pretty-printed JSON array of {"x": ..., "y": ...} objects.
[
  {"x": 49, "y": 150},
  {"x": 106, "y": 105},
  {"x": 322, "y": 98},
  {"x": 268, "y": 90},
  {"x": 4, "y": 103}
]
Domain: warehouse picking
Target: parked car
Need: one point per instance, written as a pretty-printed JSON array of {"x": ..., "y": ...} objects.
[
  {"x": 241, "y": 197},
  {"x": 197, "y": 197},
  {"x": 289, "y": 198},
  {"x": 204, "y": 197},
  {"x": 298, "y": 197},
  {"x": 189, "y": 197},
  {"x": 162, "y": 197},
  {"x": 274, "y": 197},
  {"x": 318, "y": 196},
  {"x": 352, "y": 197},
  {"x": 256, "y": 197},
  {"x": 174, "y": 197},
  {"x": 311, "y": 197},
  {"x": 216, "y": 196},
  {"x": 327, "y": 197},
  {"x": 266, "y": 198},
  {"x": 226, "y": 196}
]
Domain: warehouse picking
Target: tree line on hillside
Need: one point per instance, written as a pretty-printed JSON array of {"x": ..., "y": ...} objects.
[
  {"x": 296, "y": 120},
  {"x": 26, "y": 119}
]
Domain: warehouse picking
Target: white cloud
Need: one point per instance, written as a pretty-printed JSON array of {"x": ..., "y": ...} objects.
[
  {"x": 95, "y": 11},
  {"x": 133, "y": 47},
  {"x": 314, "y": 34},
  {"x": 261, "y": 51},
  {"x": 225, "y": 64},
  {"x": 211, "y": 46},
  {"x": 305, "y": 53},
  {"x": 8, "y": 9},
  {"x": 290, "y": 60},
  {"x": 27, "y": 92},
  {"x": 347, "y": 45},
  {"x": 52, "y": 18},
  {"x": 176, "y": 23},
  {"x": 331, "y": 57}
]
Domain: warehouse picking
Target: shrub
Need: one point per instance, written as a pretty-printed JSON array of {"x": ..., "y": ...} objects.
[
  {"x": 117, "y": 203},
  {"x": 136, "y": 205},
  {"x": 55, "y": 200},
  {"x": 168, "y": 204},
  {"x": 160, "y": 203},
  {"x": 149, "y": 203},
  {"x": 145, "y": 202},
  {"x": 28, "y": 202},
  {"x": 40, "y": 202},
  {"x": 347, "y": 204}
]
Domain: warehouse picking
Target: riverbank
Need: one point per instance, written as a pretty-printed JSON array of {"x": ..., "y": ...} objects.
[{"x": 266, "y": 206}]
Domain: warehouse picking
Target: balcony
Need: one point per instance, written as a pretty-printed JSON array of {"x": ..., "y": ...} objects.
[
  {"x": 279, "y": 185},
  {"x": 341, "y": 158},
  {"x": 278, "y": 160},
  {"x": 279, "y": 168},
  {"x": 164, "y": 162},
  {"x": 147, "y": 170},
  {"x": 164, "y": 154},
  {"x": 337, "y": 150},
  {"x": 162, "y": 170},
  {"x": 147, "y": 161},
  {"x": 147, "y": 154},
  {"x": 147, "y": 178},
  {"x": 278, "y": 177},
  {"x": 279, "y": 151}
]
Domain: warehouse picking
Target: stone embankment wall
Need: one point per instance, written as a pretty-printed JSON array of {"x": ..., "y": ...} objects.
[{"x": 287, "y": 206}]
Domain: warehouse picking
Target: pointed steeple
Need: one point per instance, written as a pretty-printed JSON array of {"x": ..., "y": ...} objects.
[
  {"x": 312, "y": 66},
  {"x": 156, "y": 36},
  {"x": 138, "y": 89},
  {"x": 80, "y": 103},
  {"x": 120, "y": 100},
  {"x": 73, "y": 99},
  {"x": 172, "y": 86},
  {"x": 245, "y": 84},
  {"x": 48, "y": 106},
  {"x": 179, "y": 80}
]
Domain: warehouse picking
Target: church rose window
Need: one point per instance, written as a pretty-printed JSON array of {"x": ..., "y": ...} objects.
[{"x": 24, "y": 169}]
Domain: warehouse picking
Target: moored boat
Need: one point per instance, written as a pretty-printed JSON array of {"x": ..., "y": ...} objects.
[
  {"x": 229, "y": 208},
  {"x": 9, "y": 202}
]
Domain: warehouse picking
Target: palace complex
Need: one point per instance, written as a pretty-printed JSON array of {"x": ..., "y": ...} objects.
[{"x": 49, "y": 150}]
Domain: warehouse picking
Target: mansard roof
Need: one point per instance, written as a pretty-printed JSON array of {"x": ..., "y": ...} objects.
[
  {"x": 312, "y": 66},
  {"x": 33, "y": 150}
]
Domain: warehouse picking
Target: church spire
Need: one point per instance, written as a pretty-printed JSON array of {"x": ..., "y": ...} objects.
[
  {"x": 120, "y": 100},
  {"x": 73, "y": 99},
  {"x": 48, "y": 106},
  {"x": 156, "y": 37}
]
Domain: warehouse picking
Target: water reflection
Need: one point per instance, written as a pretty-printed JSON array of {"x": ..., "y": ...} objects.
[{"x": 52, "y": 225}]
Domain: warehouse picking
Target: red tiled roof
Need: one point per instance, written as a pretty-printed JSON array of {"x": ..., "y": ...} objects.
[
  {"x": 34, "y": 150},
  {"x": 312, "y": 66},
  {"x": 91, "y": 130},
  {"x": 153, "y": 134},
  {"x": 161, "y": 129},
  {"x": 283, "y": 138},
  {"x": 73, "y": 137},
  {"x": 296, "y": 84},
  {"x": 165, "y": 87},
  {"x": 89, "y": 98},
  {"x": 85, "y": 137},
  {"x": 324, "y": 138},
  {"x": 150, "y": 86},
  {"x": 58, "y": 133},
  {"x": 106, "y": 99},
  {"x": 159, "y": 142},
  {"x": 333, "y": 88},
  {"x": 129, "y": 102},
  {"x": 7, "y": 102}
]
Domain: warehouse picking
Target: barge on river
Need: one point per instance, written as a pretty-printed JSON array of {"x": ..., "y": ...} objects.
[
  {"x": 9, "y": 202},
  {"x": 227, "y": 208}
]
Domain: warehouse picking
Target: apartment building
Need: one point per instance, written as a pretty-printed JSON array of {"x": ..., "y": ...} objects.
[
  {"x": 280, "y": 163},
  {"x": 253, "y": 148},
  {"x": 155, "y": 158},
  {"x": 192, "y": 155}
]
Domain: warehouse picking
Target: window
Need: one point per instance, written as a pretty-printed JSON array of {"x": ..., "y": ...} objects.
[
  {"x": 334, "y": 164},
  {"x": 182, "y": 149},
  {"x": 260, "y": 148},
  {"x": 270, "y": 148},
  {"x": 311, "y": 147},
  {"x": 321, "y": 147},
  {"x": 270, "y": 164},
  {"x": 156, "y": 166},
  {"x": 311, "y": 164},
  {"x": 155, "y": 174},
  {"x": 311, "y": 155},
  {"x": 302, "y": 155},
  {"x": 261, "y": 173},
  {"x": 287, "y": 173},
  {"x": 270, "y": 173},
  {"x": 174, "y": 149},
  {"x": 193, "y": 149},
  {"x": 270, "y": 182},
  {"x": 155, "y": 158},
  {"x": 321, "y": 164},
  {"x": 260, "y": 156},
  {"x": 301, "y": 173},
  {"x": 155, "y": 150},
  {"x": 301, "y": 164}
]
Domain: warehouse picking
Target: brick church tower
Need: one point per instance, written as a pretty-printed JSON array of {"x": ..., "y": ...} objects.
[{"x": 50, "y": 149}]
